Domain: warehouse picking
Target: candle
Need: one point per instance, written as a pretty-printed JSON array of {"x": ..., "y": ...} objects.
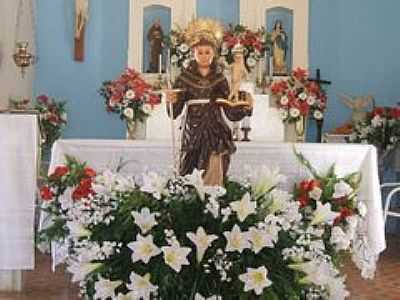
[
  {"x": 246, "y": 122},
  {"x": 160, "y": 64},
  {"x": 271, "y": 66}
]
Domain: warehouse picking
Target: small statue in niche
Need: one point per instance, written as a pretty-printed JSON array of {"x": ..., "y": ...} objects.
[
  {"x": 279, "y": 41},
  {"x": 155, "y": 36},
  {"x": 357, "y": 105},
  {"x": 238, "y": 72}
]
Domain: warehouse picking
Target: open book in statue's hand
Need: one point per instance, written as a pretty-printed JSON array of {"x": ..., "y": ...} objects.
[{"x": 244, "y": 104}]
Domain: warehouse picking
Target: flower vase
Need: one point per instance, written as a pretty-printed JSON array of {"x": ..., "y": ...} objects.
[
  {"x": 136, "y": 130},
  {"x": 296, "y": 132}
]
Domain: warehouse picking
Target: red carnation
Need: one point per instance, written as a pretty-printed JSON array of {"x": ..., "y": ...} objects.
[
  {"x": 46, "y": 194},
  {"x": 60, "y": 171},
  {"x": 83, "y": 190},
  {"x": 89, "y": 172},
  {"x": 304, "y": 199},
  {"x": 344, "y": 213}
]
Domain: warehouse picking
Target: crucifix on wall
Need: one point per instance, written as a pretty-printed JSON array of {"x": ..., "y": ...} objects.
[{"x": 81, "y": 17}]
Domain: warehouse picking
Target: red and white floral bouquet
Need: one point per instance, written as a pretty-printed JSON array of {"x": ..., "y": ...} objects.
[
  {"x": 254, "y": 43},
  {"x": 298, "y": 97},
  {"x": 52, "y": 119},
  {"x": 381, "y": 128},
  {"x": 129, "y": 96}
]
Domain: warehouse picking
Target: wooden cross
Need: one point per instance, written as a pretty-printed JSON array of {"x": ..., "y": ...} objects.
[
  {"x": 319, "y": 81},
  {"x": 81, "y": 17}
]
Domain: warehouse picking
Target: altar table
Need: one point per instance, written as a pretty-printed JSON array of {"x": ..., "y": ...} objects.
[
  {"x": 18, "y": 156},
  {"x": 157, "y": 156}
]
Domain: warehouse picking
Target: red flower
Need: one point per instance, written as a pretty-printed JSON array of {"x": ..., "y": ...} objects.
[
  {"x": 394, "y": 113},
  {"x": 378, "y": 111},
  {"x": 304, "y": 108},
  {"x": 300, "y": 74},
  {"x": 304, "y": 199},
  {"x": 341, "y": 201},
  {"x": 313, "y": 88},
  {"x": 279, "y": 87},
  {"x": 42, "y": 99},
  {"x": 83, "y": 190},
  {"x": 46, "y": 194},
  {"x": 89, "y": 172},
  {"x": 344, "y": 213},
  {"x": 309, "y": 185},
  {"x": 60, "y": 171}
]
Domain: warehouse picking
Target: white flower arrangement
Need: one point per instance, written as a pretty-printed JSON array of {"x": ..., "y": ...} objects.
[{"x": 176, "y": 236}]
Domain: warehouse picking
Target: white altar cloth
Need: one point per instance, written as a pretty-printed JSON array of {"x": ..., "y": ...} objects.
[
  {"x": 157, "y": 156},
  {"x": 18, "y": 157}
]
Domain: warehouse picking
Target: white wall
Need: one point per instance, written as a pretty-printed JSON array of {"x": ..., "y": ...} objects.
[{"x": 11, "y": 82}]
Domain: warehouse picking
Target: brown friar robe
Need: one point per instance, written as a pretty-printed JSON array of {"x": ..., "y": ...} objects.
[{"x": 207, "y": 140}]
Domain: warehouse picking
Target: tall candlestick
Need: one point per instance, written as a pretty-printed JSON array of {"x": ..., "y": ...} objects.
[
  {"x": 160, "y": 64},
  {"x": 271, "y": 66}
]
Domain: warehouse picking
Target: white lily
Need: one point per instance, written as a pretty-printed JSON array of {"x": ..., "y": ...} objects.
[
  {"x": 200, "y": 297},
  {"x": 255, "y": 279},
  {"x": 129, "y": 296},
  {"x": 154, "y": 184},
  {"x": 175, "y": 256},
  {"x": 342, "y": 189},
  {"x": 259, "y": 239},
  {"x": 264, "y": 179},
  {"x": 143, "y": 249},
  {"x": 105, "y": 288},
  {"x": 202, "y": 241},
  {"x": 144, "y": 219},
  {"x": 324, "y": 214},
  {"x": 81, "y": 270},
  {"x": 339, "y": 238},
  {"x": 337, "y": 289},
  {"x": 141, "y": 286},
  {"x": 77, "y": 230},
  {"x": 319, "y": 273},
  {"x": 196, "y": 179},
  {"x": 237, "y": 240},
  {"x": 244, "y": 207},
  {"x": 280, "y": 201}
]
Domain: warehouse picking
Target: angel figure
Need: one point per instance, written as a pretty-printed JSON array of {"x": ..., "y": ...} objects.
[
  {"x": 238, "y": 72},
  {"x": 357, "y": 104}
]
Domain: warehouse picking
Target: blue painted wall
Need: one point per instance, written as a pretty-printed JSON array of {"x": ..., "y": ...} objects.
[
  {"x": 227, "y": 11},
  {"x": 58, "y": 75},
  {"x": 353, "y": 42}
]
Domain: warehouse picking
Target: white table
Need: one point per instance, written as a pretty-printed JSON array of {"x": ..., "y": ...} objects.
[
  {"x": 157, "y": 156},
  {"x": 18, "y": 161}
]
